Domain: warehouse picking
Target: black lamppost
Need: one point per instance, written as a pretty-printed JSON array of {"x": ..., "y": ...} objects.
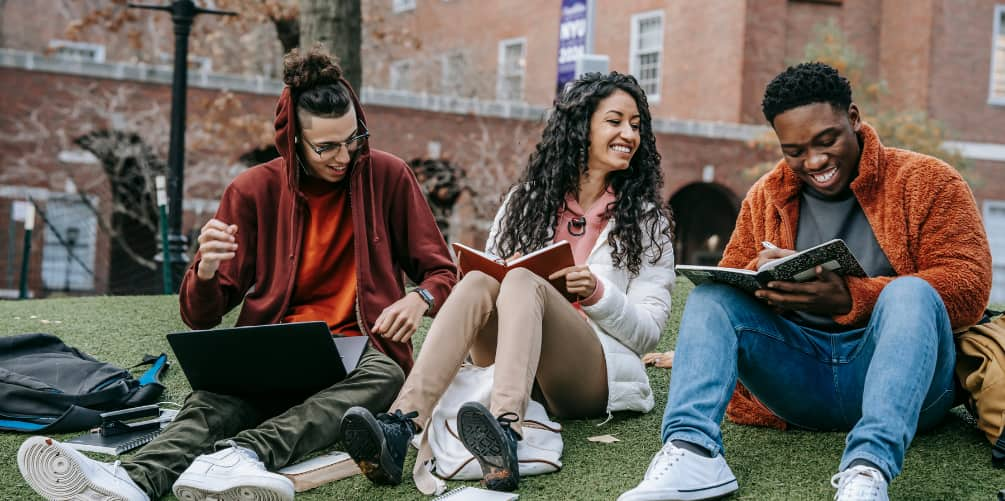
[
  {"x": 183, "y": 12},
  {"x": 72, "y": 233}
]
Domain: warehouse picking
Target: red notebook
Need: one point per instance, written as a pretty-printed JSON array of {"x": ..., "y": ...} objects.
[{"x": 543, "y": 262}]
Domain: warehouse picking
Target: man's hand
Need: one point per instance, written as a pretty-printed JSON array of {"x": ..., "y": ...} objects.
[
  {"x": 399, "y": 321},
  {"x": 768, "y": 255},
  {"x": 579, "y": 280},
  {"x": 827, "y": 295},
  {"x": 216, "y": 244}
]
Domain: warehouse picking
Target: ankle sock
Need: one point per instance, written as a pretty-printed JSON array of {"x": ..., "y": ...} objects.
[
  {"x": 870, "y": 464},
  {"x": 692, "y": 447}
]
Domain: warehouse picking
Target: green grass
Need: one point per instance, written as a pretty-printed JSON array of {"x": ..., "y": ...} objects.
[{"x": 950, "y": 463}]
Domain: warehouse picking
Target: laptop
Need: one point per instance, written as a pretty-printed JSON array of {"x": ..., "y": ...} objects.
[{"x": 280, "y": 360}]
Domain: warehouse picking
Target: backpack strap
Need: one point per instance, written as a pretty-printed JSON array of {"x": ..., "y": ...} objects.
[{"x": 157, "y": 364}]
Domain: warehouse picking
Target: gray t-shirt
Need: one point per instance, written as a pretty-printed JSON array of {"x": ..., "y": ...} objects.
[{"x": 822, "y": 219}]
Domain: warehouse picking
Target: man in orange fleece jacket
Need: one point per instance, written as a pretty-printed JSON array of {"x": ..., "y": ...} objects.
[{"x": 870, "y": 355}]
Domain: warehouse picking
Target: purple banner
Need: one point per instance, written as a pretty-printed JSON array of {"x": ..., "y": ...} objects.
[{"x": 572, "y": 39}]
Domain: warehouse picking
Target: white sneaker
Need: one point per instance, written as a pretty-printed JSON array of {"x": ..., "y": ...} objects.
[
  {"x": 231, "y": 473},
  {"x": 860, "y": 483},
  {"x": 58, "y": 472},
  {"x": 679, "y": 474}
]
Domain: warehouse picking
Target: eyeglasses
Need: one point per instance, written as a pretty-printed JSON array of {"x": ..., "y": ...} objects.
[{"x": 351, "y": 145}]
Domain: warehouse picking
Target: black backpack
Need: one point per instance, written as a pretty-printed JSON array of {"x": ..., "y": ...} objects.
[{"x": 47, "y": 386}]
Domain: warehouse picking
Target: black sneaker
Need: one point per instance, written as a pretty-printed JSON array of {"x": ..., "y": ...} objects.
[
  {"x": 493, "y": 443},
  {"x": 378, "y": 445}
]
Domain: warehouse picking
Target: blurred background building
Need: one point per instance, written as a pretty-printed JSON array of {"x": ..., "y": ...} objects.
[{"x": 460, "y": 89}]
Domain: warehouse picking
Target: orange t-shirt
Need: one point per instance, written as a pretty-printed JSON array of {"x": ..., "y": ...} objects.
[{"x": 325, "y": 286}]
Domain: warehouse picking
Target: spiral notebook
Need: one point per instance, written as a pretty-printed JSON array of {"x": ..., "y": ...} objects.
[
  {"x": 114, "y": 445},
  {"x": 467, "y": 493}
]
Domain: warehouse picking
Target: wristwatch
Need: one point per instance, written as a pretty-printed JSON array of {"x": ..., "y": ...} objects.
[{"x": 427, "y": 297}]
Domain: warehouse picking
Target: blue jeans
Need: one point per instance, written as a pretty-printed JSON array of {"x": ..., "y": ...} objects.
[{"x": 883, "y": 382}]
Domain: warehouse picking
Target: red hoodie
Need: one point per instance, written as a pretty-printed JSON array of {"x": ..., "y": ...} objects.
[{"x": 394, "y": 232}]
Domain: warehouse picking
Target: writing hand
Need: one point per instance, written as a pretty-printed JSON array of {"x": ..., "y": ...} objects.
[
  {"x": 217, "y": 244},
  {"x": 401, "y": 320},
  {"x": 770, "y": 254},
  {"x": 826, "y": 295}
]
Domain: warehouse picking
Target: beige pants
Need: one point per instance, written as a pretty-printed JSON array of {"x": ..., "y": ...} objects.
[{"x": 529, "y": 331}]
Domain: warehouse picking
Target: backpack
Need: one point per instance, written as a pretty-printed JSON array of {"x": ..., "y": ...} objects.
[
  {"x": 442, "y": 456},
  {"x": 980, "y": 370},
  {"x": 47, "y": 386}
]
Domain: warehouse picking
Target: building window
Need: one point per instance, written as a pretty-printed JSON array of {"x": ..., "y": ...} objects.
[
  {"x": 647, "y": 51},
  {"x": 77, "y": 51},
  {"x": 401, "y": 75},
  {"x": 997, "y": 88},
  {"x": 68, "y": 256},
  {"x": 512, "y": 65},
  {"x": 994, "y": 225},
  {"x": 454, "y": 74},
  {"x": 403, "y": 5}
]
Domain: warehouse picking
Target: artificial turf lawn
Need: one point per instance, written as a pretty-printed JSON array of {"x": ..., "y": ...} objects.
[{"x": 950, "y": 463}]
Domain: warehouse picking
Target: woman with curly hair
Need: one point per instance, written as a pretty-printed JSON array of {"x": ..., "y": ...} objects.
[
  {"x": 324, "y": 232},
  {"x": 594, "y": 181}
]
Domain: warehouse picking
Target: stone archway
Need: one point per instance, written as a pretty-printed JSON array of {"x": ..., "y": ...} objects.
[{"x": 705, "y": 214}]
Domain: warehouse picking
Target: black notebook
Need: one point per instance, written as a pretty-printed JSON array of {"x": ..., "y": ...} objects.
[
  {"x": 114, "y": 445},
  {"x": 833, "y": 255}
]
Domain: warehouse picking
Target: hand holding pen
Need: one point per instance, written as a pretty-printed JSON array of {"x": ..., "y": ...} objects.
[{"x": 771, "y": 252}]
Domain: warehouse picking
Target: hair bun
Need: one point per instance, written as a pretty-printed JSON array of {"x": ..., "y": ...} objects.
[{"x": 302, "y": 71}]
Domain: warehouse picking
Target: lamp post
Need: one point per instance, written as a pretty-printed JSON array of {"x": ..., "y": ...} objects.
[{"x": 183, "y": 13}]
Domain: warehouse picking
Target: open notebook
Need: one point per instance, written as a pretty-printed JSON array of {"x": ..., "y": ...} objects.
[
  {"x": 832, "y": 255},
  {"x": 543, "y": 262}
]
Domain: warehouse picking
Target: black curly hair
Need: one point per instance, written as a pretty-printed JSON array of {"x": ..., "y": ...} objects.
[
  {"x": 555, "y": 167},
  {"x": 803, "y": 84},
  {"x": 315, "y": 82}
]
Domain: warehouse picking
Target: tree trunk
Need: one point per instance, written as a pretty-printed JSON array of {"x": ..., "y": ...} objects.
[{"x": 337, "y": 24}]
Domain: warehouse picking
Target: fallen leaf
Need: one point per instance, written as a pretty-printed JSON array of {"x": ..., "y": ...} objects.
[{"x": 604, "y": 439}]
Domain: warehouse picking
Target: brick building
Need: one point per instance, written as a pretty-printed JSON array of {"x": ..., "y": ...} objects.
[{"x": 469, "y": 80}]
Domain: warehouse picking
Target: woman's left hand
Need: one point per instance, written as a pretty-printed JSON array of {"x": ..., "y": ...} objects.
[{"x": 579, "y": 280}]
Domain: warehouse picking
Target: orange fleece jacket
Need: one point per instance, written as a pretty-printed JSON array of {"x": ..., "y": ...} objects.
[{"x": 925, "y": 219}]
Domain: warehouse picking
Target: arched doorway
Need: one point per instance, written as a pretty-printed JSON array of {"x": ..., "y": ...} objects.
[{"x": 705, "y": 215}]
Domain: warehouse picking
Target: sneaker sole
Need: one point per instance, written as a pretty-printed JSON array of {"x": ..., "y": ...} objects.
[
  {"x": 55, "y": 474},
  {"x": 364, "y": 442},
  {"x": 188, "y": 490},
  {"x": 716, "y": 492},
  {"x": 484, "y": 438}
]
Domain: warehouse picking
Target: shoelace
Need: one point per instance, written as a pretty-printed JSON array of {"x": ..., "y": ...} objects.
[
  {"x": 244, "y": 452},
  {"x": 506, "y": 421},
  {"x": 667, "y": 456},
  {"x": 398, "y": 417},
  {"x": 858, "y": 482}
]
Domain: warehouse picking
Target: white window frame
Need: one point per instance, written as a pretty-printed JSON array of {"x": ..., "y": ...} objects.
[
  {"x": 634, "y": 52},
  {"x": 398, "y": 6},
  {"x": 502, "y": 75},
  {"x": 59, "y": 271},
  {"x": 996, "y": 240},
  {"x": 451, "y": 78},
  {"x": 395, "y": 75},
  {"x": 998, "y": 31},
  {"x": 97, "y": 50}
]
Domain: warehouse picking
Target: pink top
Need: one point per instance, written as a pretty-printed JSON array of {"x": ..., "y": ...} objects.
[{"x": 595, "y": 222}]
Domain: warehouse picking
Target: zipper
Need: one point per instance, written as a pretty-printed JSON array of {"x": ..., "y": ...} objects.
[
  {"x": 356, "y": 305},
  {"x": 295, "y": 257}
]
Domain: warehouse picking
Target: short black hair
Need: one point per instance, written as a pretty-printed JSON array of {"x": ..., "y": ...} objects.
[{"x": 805, "y": 83}]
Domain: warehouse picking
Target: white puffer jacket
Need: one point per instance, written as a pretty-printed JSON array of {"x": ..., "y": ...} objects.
[{"x": 629, "y": 318}]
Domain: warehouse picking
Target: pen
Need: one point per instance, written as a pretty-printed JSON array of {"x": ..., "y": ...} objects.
[{"x": 768, "y": 245}]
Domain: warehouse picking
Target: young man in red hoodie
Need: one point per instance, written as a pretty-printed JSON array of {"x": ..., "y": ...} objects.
[{"x": 325, "y": 232}]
